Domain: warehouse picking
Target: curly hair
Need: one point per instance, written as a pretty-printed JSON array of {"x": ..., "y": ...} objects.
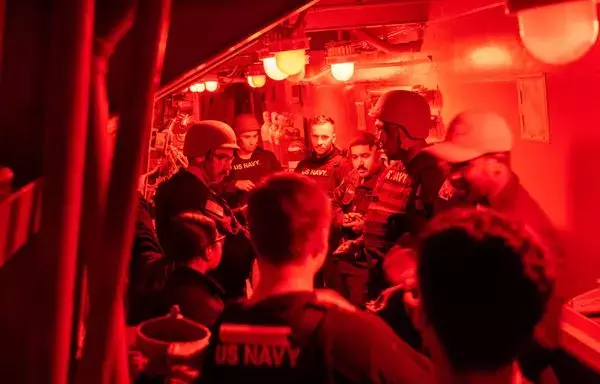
[{"x": 484, "y": 282}]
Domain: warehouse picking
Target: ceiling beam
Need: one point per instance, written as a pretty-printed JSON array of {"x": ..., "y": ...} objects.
[{"x": 367, "y": 15}]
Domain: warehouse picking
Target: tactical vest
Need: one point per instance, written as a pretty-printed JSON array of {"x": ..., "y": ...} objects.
[
  {"x": 395, "y": 196},
  {"x": 246, "y": 350}
]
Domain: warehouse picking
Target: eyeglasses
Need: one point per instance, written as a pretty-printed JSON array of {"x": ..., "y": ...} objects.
[{"x": 218, "y": 239}]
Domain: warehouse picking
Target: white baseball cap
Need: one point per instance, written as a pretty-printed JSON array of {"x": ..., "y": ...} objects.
[{"x": 472, "y": 134}]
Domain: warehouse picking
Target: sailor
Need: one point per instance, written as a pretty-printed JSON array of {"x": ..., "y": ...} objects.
[{"x": 209, "y": 146}]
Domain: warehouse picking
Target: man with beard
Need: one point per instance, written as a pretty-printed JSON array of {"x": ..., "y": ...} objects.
[
  {"x": 326, "y": 164},
  {"x": 351, "y": 202},
  {"x": 209, "y": 147},
  {"x": 407, "y": 193},
  {"x": 477, "y": 148},
  {"x": 250, "y": 163},
  {"x": 327, "y": 167}
]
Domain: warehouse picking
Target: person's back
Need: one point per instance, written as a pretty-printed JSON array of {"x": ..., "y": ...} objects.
[
  {"x": 483, "y": 284},
  {"x": 283, "y": 333},
  {"x": 295, "y": 338}
]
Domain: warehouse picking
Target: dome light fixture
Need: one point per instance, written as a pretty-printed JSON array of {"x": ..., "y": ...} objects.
[
  {"x": 211, "y": 82},
  {"x": 257, "y": 81},
  {"x": 197, "y": 88},
  {"x": 272, "y": 70},
  {"x": 342, "y": 71},
  {"x": 289, "y": 51},
  {"x": 556, "y": 32},
  {"x": 291, "y": 62},
  {"x": 211, "y": 85},
  {"x": 342, "y": 58}
]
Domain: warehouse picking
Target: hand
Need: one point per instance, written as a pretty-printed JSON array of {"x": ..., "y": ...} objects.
[
  {"x": 244, "y": 185},
  {"x": 329, "y": 296},
  {"x": 137, "y": 363},
  {"x": 352, "y": 216},
  {"x": 347, "y": 247},
  {"x": 182, "y": 374},
  {"x": 352, "y": 220},
  {"x": 384, "y": 297},
  {"x": 358, "y": 226},
  {"x": 399, "y": 264},
  {"x": 410, "y": 301},
  {"x": 243, "y": 210}
]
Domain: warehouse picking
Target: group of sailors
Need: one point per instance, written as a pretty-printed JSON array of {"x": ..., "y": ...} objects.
[{"x": 437, "y": 263}]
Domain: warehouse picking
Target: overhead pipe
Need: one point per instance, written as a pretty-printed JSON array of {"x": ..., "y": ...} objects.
[
  {"x": 213, "y": 63},
  {"x": 63, "y": 160},
  {"x": 364, "y": 65},
  {"x": 300, "y": 21},
  {"x": 326, "y": 69},
  {"x": 106, "y": 346},
  {"x": 375, "y": 42},
  {"x": 362, "y": 5}
]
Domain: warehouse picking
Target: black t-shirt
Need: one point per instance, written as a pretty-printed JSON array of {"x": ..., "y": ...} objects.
[
  {"x": 293, "y": 338},
  {"x": 328, "y": 171},
  {"x": 261, "y": 164}
]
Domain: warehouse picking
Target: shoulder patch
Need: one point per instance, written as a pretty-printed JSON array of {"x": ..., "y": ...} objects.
[
  {"x": 214, "y": 208},
  {"x": 446, "y": 191}
]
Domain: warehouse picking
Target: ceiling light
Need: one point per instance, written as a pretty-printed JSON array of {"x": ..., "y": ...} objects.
[
  {"x": 211, "y": 85},
  {"x": 556, "y": 31},
  {"x": 271, "y": 69},
  {"x": 257, "y": 81},
  {"x": 342, "y": 71},
  {"x": 291, "y": 62}
]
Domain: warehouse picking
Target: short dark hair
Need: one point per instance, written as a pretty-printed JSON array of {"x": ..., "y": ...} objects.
[
  {"x": 190, "y": 234},
  {"x": 287, "y": 215},
  {"x": 321, "y": 119},
  {"x": 484, "y": 282},
  {"x": 364, "y": 138}
]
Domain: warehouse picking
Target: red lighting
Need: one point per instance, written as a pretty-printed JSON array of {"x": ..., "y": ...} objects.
[
  {"x": 196, "y": 88},
  {"x": 257, "y": 81},
  {"x": 211, "y": 85},
  {"x": 557, "y": 32},
  {"x": 342, "y": 71},
  {"x": 490, "y": 57},
  {"x": 291, "y": 62}
]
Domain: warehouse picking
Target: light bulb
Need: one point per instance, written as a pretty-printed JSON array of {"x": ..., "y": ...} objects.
[
  {"x": 257, "y": 81},
  {"x": 271, "y": 69},
  {"x": 342, "y": 71},
  {"x": 291, "y": 62},
  {"x": 198, "y": 87},
  {"x": 559, "y": 33},
  {"x": 211, "y": 85},
  {"x": 193, "y": 88}
]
